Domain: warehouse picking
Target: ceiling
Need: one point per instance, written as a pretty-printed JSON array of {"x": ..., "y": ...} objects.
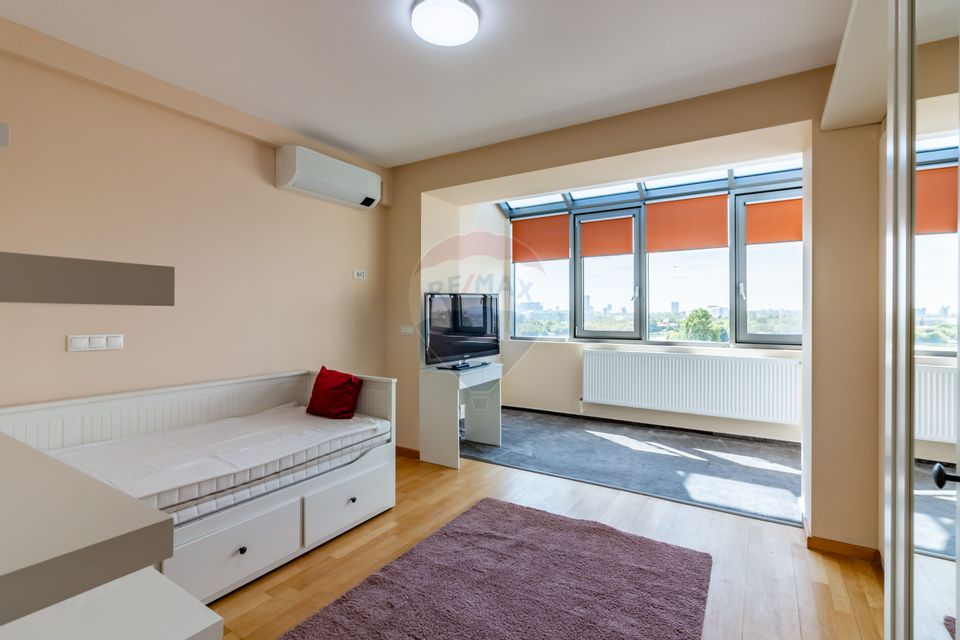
[{"x": 352, "y": 74}]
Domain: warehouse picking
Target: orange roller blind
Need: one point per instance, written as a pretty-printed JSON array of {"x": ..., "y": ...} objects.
[
  {"x": 936, "y": 194},
  {"x": 546, "y": 238},
  {"x": 691, "y": 223},
  {"x": 611, "y": 237},
  {"x": 777, "y": 221}
]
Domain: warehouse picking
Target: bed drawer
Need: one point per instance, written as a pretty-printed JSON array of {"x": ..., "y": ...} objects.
[
  {"x": 347, "y": 503},
  {"x": 208, "y": 565}
]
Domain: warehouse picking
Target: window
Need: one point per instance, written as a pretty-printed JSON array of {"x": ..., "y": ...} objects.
[
  {"x": 688, "y": 270},
  {"x": 609, "y": 301},
  {"x": 541, "y": 277},
  {"x": 611, "y": 190},
  {"x": 713, "y": 256},
  {"x": 690, "y": 178},
  {"x": 535, "y": 201},
  {"x": 773, "y": 165},
  {"x": 935, "y": 260},
  {"x": 770, "y": 267}
]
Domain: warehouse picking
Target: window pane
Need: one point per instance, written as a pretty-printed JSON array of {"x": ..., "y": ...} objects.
[
  {"x": 935, "y": 291},
  {"x": 689, "y": 295},
  {"x": 937, "y": 141},
  {"x": 541, "y": 298},
  {"x": 770, "y": 166},
  {"x": 595, "y": 192},
  {"x": 690, "y": 178},
  {"x": 608, "y": 293},
  {"x": 775, "y": 288},
  {"x": 553, "y": 198}
]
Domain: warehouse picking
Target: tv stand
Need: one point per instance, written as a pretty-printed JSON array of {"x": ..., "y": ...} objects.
[
  {"x": 462, "y": 365},
  {"x": 442, "y": 391}
]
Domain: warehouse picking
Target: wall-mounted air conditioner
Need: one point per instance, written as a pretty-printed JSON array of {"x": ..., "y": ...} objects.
[{"x": 314, "y": 174}]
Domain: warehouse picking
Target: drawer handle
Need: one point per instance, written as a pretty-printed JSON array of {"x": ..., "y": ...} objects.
[
  {"x": 242, "y": 550},
  {"x": 353, "y": 500}
]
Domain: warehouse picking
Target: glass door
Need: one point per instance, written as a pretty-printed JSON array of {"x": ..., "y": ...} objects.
[{"x": 934, "y": 299}]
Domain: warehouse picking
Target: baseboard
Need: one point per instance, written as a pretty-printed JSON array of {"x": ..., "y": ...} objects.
[
  {"x": 843, "y": 549},
  {"x": 403, "y": 452}
]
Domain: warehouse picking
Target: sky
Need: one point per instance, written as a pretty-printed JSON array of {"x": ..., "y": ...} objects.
[
  {"x": 935, "y": 274},
  {"x": 691, "y": 278}
]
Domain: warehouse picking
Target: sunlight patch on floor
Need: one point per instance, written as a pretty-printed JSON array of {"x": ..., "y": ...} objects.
[
  {"x": 929, "y": 532},
  {"x": 752, "y": 461},
  {"x": 645, "y": 446},
  {"x": 739, "y": 496},
  {"x": 940, "y": 494}
]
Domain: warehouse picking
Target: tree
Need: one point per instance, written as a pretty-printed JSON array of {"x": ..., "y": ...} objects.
[{"x": 699, "y": 325}]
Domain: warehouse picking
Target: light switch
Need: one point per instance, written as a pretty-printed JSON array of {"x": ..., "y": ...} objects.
[
  {"x": 406, "y": 331},
  {"x": 359, "y": 274},
  {"x": 99, "y": 342}
]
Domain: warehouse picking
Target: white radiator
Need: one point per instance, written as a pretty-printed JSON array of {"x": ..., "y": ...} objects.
[
  {"x": 746, "y": 388},
  {"x": 935, "y": 402}
]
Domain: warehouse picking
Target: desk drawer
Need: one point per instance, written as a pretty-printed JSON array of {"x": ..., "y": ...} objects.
[
  {"x": 206, "y": 566},
  {"x": 347, "y": 503},
  {"x": 480, "y": 375}
]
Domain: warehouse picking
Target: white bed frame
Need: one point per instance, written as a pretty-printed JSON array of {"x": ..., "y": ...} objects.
[{"x": 217, "y": 553}]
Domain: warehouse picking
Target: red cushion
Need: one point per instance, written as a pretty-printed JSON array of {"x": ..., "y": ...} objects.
[{"x": 335, "y": 394}]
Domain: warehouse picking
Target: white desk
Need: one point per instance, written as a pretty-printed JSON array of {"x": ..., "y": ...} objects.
[
  {"x": 442, "y": 391},
  {"x": 143, "y": 605},
  {"x": 65, "y": 532}
]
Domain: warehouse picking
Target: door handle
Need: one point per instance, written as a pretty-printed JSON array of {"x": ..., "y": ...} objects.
[
  {"x": 941, "y": 477},
  {"x": 743, "y": 291}
]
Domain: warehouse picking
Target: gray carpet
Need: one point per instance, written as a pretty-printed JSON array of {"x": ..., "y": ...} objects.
[
  {"x": 934, "y": 521},
  {"x": 755, "y": 478}
]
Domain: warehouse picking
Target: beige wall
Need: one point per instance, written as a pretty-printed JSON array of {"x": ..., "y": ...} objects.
[
  {"x": 841, "y": 451},
  {"x": 938, "y": 68},
  {"x": 463, "y": 249},
  {"x": 264, "y": 278}
]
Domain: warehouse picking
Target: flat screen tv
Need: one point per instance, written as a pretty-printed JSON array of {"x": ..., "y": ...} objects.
[{"x": 459, "y": 326}]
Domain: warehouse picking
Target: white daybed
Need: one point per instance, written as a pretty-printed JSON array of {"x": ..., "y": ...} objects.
[{"x": 251, "y": 480}]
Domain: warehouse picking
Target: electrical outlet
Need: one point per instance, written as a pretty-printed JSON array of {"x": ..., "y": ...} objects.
[
  {"x": 359, "y": 274},
  {"x": 406, "y": 331}
]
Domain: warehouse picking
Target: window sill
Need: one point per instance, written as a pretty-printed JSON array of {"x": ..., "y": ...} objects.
[{"x": 778, "y": 351}]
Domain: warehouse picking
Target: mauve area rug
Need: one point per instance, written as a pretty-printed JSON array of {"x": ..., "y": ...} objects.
[{"x": 505, "y": 572}]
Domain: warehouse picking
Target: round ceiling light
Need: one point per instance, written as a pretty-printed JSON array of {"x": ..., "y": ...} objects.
[{"x": 447, "y": 23}]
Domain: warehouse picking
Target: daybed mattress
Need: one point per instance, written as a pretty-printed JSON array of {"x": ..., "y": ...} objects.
[{"x": 193, "y": 471}]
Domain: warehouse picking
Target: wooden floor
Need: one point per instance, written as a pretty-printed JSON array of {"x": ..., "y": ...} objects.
[{"x": 765, "y": 583}]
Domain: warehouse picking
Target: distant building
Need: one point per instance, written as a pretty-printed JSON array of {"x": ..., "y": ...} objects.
[
  {"x": 674, "y": 307},
  {"x": 531, "y": 306},
  {"x": 945, "y": 311},
  {"x": 719, "y": 312}
]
